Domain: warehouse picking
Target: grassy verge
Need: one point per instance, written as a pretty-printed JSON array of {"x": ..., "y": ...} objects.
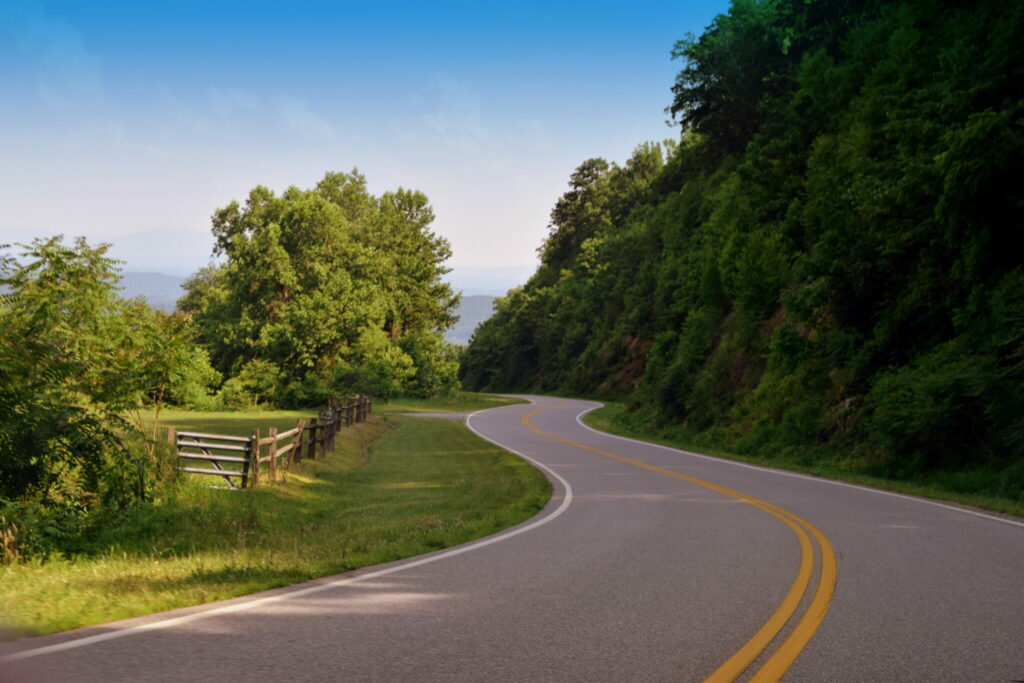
[
  {"x": 394, "y": 487},
  {"x": 461, "y": 402},
  {"x": 613, "y": 418}
]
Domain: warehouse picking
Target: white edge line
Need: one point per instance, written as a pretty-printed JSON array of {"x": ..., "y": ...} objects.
[
  {"x": 239, "y": 606},
  {"x": 797, "y": 475}
]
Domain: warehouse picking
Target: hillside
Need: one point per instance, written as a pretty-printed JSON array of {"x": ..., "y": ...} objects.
[
  {"x": 472, "y": 311},
  {"x": 828, "y": 264},
  {"x": 160, "y": 290}
]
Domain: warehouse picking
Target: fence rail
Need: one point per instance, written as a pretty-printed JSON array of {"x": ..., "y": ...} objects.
[{"x": 238, "y": 457}]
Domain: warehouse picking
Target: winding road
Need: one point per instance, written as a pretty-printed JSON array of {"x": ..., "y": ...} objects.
[{"x": 648, "y": 564}]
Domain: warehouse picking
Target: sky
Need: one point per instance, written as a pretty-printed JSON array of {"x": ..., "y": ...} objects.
[{"x": 132, "y": 122}]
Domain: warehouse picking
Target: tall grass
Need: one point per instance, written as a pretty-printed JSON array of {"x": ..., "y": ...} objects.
[{"x": 459, "y": 402}]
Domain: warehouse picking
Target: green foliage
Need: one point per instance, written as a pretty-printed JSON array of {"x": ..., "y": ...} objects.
[
  {"x": 192, "y": 380},
  {"x": 257, "y": 382},
  {"x": 934, "y": 409},
  {"x": 75, "y": 361},
  {"x": 436, "y": 364},
  {"x": 332, "y": 287},
  {"x": 830, "y": 259}
]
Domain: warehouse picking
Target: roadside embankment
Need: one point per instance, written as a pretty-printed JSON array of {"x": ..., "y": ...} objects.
[{"x": 394, "y": 487}]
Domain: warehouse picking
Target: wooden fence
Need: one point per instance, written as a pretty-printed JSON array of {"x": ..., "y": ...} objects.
[{"x": 240, "y": 460}]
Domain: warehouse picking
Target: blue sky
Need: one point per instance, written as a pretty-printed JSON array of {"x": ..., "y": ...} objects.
[{"x": 119, "y": 118}]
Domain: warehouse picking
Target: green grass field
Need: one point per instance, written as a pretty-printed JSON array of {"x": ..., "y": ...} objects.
[
  {"x": 461, "y": 402},
  {"x": 955, "y": 488},
  {"x": 394, "y": 487},
  {"x": 234, "y": 423}
]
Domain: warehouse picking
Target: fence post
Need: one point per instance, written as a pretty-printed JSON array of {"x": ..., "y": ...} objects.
[
  {"x": 329, "y": 436},
  {"x": 325, "y": 434},
  {"x": 254, "y": 459},
  {"x": 296, "y": 454},
  {"x": 172, "y": 441},
  {"x": 246, "y": 466},
  {"x": 331, "y": 429},
  {"x": 311, "y": 444},
  {"x": 329, "y": 441},
  {"x": 272, "y": 435}
]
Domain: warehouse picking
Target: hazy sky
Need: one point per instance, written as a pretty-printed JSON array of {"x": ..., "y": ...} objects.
[{"x": 120, "y": 117}]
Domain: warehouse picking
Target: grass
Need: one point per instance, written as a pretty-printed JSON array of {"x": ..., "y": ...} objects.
[
  {"x": 942, "y": 486},
  {"x": 460, "y": 402},
  {"x": 394, "y": 487},
  {"x": 234, "y": 423}
]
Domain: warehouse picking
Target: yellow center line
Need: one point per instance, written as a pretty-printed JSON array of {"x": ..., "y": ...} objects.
[{"x": 787, "y": 653}]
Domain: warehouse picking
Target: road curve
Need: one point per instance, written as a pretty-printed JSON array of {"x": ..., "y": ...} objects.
[{"x": 648, "y": 564}]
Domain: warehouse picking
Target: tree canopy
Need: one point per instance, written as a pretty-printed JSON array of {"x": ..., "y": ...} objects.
[{"x": 327, "y": 290}]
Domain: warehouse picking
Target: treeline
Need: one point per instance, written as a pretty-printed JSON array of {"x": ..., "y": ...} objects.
[
  {"x": 829, "y": 262},
  {"x": 318, "y": 292}
]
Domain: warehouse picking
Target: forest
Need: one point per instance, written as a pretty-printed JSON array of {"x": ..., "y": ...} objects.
[{"x": 829, "y": 263}]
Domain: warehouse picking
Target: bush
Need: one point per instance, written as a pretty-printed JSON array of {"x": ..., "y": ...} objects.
[
  {"x": 436, "y": 363},
  {"x": 76, "y": 361},
  {"x": 256, "y": 384},
  {"x": 191, "y": 382},
  {"x": 29, "y": 529},
  {"x": 931, "y": 414}
]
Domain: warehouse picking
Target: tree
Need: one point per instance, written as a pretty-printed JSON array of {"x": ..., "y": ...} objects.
[
  {"x": 75, "y": 360},
  {"x": 312, "y": 276}
]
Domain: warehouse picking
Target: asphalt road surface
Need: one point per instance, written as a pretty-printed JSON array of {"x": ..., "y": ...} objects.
[{"x": 648, "y": 564}]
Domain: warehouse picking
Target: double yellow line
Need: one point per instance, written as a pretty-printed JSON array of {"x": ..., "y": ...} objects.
[{"x": 778, "y": 662}]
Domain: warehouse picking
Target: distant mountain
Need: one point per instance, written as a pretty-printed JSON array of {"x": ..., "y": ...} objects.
[
  {"x": 166, "y": 250},
  {"x": 160, "y": 290},
  {"x": 162, "y": 250},
  {"x": 158, "y": 261},
  {"x": 180, "y": 252},
  {"x": 472, "y": 281},
  {"x": 472, "y": 311}
]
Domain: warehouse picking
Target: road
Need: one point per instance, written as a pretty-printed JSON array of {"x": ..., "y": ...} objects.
[{"x": 648, "y": 564}]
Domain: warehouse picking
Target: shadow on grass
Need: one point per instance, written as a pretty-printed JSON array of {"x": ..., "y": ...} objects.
[{"x": 226, "y": 576}]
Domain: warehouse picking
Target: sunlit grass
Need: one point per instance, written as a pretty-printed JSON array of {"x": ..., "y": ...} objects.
[
  {"x": 460, "y": 402},
  {"x": 233, "y": 423},
  {"x": 422, "y": 485}
]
